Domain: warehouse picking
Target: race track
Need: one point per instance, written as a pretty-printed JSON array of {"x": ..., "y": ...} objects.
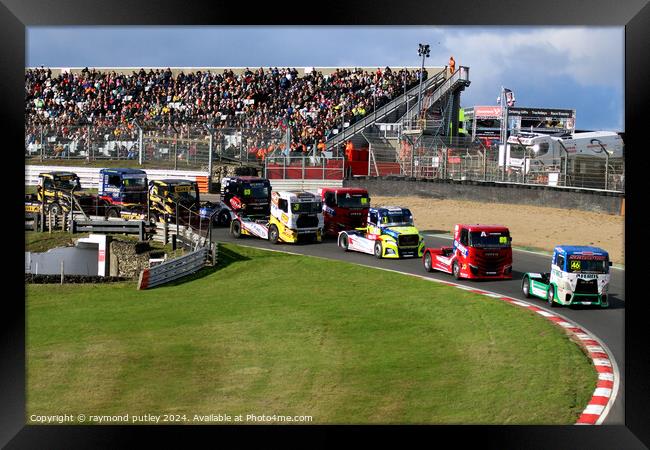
[{"x": 606, "y": 324}]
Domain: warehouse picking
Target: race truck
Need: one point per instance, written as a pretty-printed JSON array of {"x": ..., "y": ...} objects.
[
  {"x": 122, "y": 189},
  {"x": 55, "y": 190},
  {"x": 477, "y": 252},
  {"x": 244, "y": 196},
  {"x": 296, "y": 216},
  {"x": 579, "y": 276},
  {"x": 344, "y": 209},
  {"x": 389, "y": 233},
  {"x": 168, "y": 196}
]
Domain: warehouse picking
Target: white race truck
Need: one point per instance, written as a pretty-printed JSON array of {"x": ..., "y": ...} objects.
[
  {"x": 296, "y": 216},
  {"x": 579, "y": 275}
]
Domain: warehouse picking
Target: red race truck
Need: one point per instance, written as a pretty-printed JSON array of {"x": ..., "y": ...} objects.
[
  {"x": 344, "y": 209},
  {"x": 478, "y": 251}
]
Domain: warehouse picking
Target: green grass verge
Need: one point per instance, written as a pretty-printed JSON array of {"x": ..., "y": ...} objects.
[
  {"x": 271, "y": 333},
  {"x": 38, "y": 242}
]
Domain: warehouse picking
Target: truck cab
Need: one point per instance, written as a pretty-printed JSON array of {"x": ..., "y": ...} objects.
[
  {"x": 389, "y": 233},
  {"x": 579, "y": 275},
  {"x": 125, "y": 187},
  {"x": 54, "y": 190},
  {"x": 296, "y": 216},
  {"x": 168, "y": 194},
  {"x": 122, "y": 188},
  {"x": 477, "y": 252},
  {"x": 245, "y": 196},
  {"x": 344, "y": 209}
]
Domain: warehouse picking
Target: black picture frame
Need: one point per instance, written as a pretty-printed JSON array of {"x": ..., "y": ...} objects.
[{"x": 634, "y": 15}]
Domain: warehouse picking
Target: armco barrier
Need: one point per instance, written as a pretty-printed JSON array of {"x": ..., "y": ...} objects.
[
  {"x": 89, "y": 176},
  {"x": 138, "y": 227},
  {"x": 173, "y": 269}
]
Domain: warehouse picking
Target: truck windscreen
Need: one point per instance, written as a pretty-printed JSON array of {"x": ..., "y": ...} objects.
[
  {"x": 66, "y": 183},
  {"x": 256, "y": 191},
  {"x": 186, "y": 193},
  {"x": 306, "y": 207},
  {"x": 486, "y": 239},
  {"x": 135, "y": 183},
  {"x": 352, "y": 200},
  {"x": 582, "y": 265},
  {"x": 404, "y": 218}
]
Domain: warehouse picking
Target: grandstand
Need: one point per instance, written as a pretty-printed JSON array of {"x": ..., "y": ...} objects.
[{"x": 313, "y": 111}]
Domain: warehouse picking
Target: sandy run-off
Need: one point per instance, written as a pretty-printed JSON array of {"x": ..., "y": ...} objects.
[{"x": 530, "y": 226}]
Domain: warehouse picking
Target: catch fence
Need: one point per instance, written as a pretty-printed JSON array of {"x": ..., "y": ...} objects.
[
  {"x": 190, "y": 146},
  {"x": 439, "y": 157}
]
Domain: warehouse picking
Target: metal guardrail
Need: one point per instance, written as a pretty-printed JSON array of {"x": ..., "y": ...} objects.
[
  {"x": 138, "y": 227},
  {"x": 173, "y": 269}
]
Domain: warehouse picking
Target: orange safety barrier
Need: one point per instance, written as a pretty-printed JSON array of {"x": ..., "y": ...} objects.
[{"x": 202, "y": 183}]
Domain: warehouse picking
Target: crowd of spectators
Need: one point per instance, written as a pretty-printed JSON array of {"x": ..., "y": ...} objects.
[{"x": 313, "y": 105}]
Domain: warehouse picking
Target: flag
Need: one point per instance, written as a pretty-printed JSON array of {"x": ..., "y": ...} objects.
[{"x": 510, "y": 97}]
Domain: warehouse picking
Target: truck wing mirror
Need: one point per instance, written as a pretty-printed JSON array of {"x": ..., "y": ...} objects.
[{"x": 609, "y": 263}]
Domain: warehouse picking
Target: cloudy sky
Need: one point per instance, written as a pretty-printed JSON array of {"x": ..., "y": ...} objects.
[{"x": 563, "y": 67}]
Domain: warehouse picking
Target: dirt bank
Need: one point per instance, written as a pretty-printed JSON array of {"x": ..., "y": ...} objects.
[{"x": 530, "y": 226}]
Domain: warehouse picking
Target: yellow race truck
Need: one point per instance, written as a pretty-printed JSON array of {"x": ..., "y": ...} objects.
[{"x": 296, "y": 216}]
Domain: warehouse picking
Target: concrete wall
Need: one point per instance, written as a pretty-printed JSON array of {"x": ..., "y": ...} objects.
[{"x": 608, "y": 202}]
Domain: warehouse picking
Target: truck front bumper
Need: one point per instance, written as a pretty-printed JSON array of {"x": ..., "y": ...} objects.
[{"x": 587, "y": 299}]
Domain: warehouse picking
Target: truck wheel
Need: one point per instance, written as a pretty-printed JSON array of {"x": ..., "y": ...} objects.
[
  {"x": 274, "y": 235},
  {"x": 427, "y": 262},
  {"x": 55, "y": 208},
  {"x": 549, "y": 297},
  {"x": 455, "y": 268},
  {"x": 223, "y": 218},
  {"x": 343, "y": 242},
  {"x": 525, "y": 287},
  {"x": 378, "y": 249},
  {"x": 112, "y": 212},
  {"x": 235, "y": 229}
]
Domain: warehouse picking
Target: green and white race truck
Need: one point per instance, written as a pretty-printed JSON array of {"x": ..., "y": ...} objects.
[{"x": 579, "y": 276}]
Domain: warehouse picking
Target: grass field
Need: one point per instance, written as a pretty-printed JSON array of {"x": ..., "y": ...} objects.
[
  {"x": 270, "y": 333},
  {"x": 41, "y": 242}
]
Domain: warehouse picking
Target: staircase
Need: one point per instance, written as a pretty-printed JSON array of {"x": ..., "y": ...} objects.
[
  {"x": 405, "y": 108},
  {"x": 392, "y": 110},
  {"x": 459, "y": 79}
]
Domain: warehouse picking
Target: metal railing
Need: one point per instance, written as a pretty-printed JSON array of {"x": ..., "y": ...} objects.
[
  {"x": 323, "y": 167},
  {"x": 460, "y": 76},
  {"x": 173, "y": 269},
  {"x": 461, "y": 159},
  {"x": 383, "y": 111},
  {"x": 192, "y": 146}
]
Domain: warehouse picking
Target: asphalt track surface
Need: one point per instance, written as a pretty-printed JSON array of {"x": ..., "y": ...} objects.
[{"x": 606, "y": 324}]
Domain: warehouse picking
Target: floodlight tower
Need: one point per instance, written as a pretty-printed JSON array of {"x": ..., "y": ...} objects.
[{"x": 423, "y": 51}]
